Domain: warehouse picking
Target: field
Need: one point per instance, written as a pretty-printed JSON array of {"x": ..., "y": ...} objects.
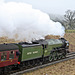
[
  {"x": 71, "y": 38},
  {"x": 63, "y": 68}
]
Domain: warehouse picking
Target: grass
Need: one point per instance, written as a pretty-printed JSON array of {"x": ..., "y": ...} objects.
[{"x": 70, "y": 31}]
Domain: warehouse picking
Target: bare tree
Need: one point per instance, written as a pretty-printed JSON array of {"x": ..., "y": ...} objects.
[{"x": 70, "y": 18}]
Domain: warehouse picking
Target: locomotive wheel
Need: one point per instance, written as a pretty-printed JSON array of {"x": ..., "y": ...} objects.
[
  {"x": 50, "y": 58},
  {"x": 1, "y": 71},
  {"x": 45, "y": 60},
  {"x": 38, "y": 62},
  {"x": 29, "y": 64},
  {"x": 5, "y": 70},
  {"x": 59, "y": 56},
  {"x": 20, "y": 66},
  {"x": 33, "y": 63},
  {"x": 63, "y": 55},
  {"x": 26, "y": 64},
  {"x": 55, "y": 57}
]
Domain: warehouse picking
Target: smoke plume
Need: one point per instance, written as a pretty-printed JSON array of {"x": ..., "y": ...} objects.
[{"x": 20, "y": 21}]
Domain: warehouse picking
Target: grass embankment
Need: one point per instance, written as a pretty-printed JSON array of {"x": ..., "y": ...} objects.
[{"x": 63, "y": 68}]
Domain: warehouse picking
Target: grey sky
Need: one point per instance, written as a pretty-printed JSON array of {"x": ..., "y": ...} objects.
[{"x": 50, "y": 6}]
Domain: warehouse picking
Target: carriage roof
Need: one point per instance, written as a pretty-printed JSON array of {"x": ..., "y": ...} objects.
[{"x": 6, "y": 47}]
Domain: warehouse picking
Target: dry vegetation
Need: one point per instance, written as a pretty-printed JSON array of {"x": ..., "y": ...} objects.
[
  {"x": 71, "y": 38},
  {"x": 63, "y": 68},
  {"x": 7, "y": 40},
  {"x": 52, "y": 37}
]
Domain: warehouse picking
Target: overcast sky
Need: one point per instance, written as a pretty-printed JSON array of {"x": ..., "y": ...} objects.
[{"x": 50, "y": 6}]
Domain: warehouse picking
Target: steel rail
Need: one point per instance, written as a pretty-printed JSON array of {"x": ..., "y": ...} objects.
[
  {"x": 68, "y": 57},
  {"x": 71, "y": 53}
]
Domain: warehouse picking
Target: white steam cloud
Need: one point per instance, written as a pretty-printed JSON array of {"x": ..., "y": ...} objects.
[{"x": 27, "y": 23}]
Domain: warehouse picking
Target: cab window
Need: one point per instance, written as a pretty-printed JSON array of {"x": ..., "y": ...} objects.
[
  {"x": 11, "y": 55},
  {"x": 3, "y": 56}
]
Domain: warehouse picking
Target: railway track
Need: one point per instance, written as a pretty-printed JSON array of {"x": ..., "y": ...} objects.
[{"x": 68, "y": 57}]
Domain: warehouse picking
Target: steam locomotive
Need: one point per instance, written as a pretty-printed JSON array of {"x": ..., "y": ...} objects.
[{"x": 25, "y": 54}]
